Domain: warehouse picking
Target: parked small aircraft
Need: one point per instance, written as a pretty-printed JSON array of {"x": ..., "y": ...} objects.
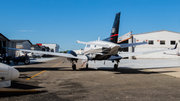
[
  {"x": 7, "y": 74},
  {"x": 177, "y": 53},
  {"x": 106, "y": 49}
]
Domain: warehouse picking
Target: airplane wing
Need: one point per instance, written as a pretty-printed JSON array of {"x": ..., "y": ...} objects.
[
  {"x": 131, "y": 44},
  {"x": 51, "y": 53},
  {"x": 139, "y": 53},
  {"x": 121, "y": 45}
]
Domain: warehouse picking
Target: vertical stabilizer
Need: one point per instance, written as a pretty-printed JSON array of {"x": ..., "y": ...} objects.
[{"x": 115, "y": 29}]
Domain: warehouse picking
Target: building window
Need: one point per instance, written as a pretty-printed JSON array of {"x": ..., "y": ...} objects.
[
  {"x": 19, "y": 45},
  {"x": 151, "y": 42},
  {"x": 162, "y": 42},
  {"x": 173, "y": 42}
]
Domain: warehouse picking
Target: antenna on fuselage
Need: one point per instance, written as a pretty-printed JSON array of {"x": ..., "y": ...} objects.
[{"x": 98, "y": 38}]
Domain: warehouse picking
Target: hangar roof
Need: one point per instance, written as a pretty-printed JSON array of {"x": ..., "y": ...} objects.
[
  {"x": 20, "y": 41},
  {"x": 156, "y": 31},
  {"x": 4, "y": 36}
]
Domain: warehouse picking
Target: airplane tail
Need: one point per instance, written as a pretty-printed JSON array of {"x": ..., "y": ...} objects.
[{"x": 115, "y": 30}]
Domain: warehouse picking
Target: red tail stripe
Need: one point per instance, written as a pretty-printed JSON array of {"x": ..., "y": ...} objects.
[{"x": 114, "y": 35}]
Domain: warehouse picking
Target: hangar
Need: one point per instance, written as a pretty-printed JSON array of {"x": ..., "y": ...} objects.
[
  {"x": 52, "y": 47},
  {"x": 157, "y": 40}
]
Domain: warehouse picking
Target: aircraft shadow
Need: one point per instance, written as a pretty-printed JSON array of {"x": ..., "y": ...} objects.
[
  {"x": 21, "y": 69},
  {"x": 124, "y": 70},
  {"x": 10, "y": 94},
  {"x": 21, "y": 63},
  {"x": 18, "y": 85},
  {"x": 20, "y": 89}
]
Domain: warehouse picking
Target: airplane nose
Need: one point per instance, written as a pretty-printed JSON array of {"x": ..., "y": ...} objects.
[{"x": 15, "y": 74}]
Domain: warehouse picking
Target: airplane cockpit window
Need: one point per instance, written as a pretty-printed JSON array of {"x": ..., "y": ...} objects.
[{"x": 88, "y": 45}]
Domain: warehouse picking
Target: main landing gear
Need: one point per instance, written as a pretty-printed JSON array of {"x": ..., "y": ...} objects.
[
  {"x": 73, "y": 61},
  {"x": 116, "y": 65},
  {"x": 73, "y": 66},
  {"x": 86, "y": 65}
]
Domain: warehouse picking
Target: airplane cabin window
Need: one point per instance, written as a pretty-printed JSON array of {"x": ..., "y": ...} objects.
[{"x": 88, "y": 46}]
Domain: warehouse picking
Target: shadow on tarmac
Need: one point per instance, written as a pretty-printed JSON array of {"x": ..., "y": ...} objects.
[
  {"x": 19, "y": 89},
  {"x": 21, "y": 63},
  {"x": 124, "y": 70},
  {"x": 18, "y": 85},
  {"x": 24, "y": 69},
  {"x": 14, "y": 93}
]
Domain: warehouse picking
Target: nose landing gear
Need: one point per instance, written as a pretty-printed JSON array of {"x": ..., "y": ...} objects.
[{"x": 116, "y": 65}]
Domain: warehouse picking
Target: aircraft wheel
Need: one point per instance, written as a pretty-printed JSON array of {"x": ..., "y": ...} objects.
[
  {"x": 27, "y": 61},
  {"x": 74, "y": 67},
  {"x": 115, "y": 66},
  {"x": 87, "y": 66}
]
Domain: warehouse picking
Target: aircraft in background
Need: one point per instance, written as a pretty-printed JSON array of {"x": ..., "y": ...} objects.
[
  {"x": 7, "y": 74},
  {"x": 177, "y": 53},
  {"x": 106, "y": 49}
]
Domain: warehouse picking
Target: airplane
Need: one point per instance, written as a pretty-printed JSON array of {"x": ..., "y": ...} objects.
[
  {"x": 7, "y": 73},
  {"x": 177, "y": 53},
  {"x": 106, "y": 49}
]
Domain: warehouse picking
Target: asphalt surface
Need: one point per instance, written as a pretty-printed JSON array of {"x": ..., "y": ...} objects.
[{"x": 55, "y": 80}]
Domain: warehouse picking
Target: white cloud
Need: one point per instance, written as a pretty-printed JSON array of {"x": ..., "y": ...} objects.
[{"x": 26, "y": 30}]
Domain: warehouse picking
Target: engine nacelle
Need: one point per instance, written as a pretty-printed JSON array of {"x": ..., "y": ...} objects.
[
  {"x": 72, "y": 52},
  {"x": 7, "y": 73}
]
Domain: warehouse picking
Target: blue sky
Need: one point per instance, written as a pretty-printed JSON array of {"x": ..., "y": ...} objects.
[{"x": 65, "y": 21}]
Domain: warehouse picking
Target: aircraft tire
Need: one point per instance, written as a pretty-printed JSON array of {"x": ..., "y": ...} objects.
[
  {"x": 74, "y": 67},
  {"x": 27, "y": 61},
  {"x": 115, "y": 66},
  {"x": 87, "y": 66}
]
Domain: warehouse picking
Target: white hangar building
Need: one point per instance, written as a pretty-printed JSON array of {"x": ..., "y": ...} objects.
[
  {"x": 157, "y": 40},
  {"x": 53, "y": 47}
]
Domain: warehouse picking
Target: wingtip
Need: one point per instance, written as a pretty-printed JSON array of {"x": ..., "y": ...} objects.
[{"x": 77, "y": 41}]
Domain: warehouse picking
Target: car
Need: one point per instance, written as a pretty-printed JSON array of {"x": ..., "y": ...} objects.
[{"x": 24, "y": 59}]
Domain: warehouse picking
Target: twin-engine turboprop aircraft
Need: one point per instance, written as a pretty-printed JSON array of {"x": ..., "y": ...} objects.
[{"x": 106, "y": 49}]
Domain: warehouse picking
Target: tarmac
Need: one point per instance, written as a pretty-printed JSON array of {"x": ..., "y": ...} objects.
[{"x": 54, "y": 80}]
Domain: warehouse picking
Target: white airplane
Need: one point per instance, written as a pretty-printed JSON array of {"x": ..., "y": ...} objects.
[
  {"x": 177, "y": 53},
  {"x": 7, "y": 74},
  {"x": 106, "y": 49}
]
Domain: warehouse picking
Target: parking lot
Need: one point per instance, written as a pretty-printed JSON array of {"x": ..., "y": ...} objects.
[{"x": 54, "y": 80}]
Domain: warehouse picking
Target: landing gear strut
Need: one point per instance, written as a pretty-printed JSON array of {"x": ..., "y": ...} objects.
[
  {"x": 74, "y": 66},
  {"x": 73, "y": 61},
  {"x": 86, "y": 65},
  {"x": 116, "y": 65}
]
